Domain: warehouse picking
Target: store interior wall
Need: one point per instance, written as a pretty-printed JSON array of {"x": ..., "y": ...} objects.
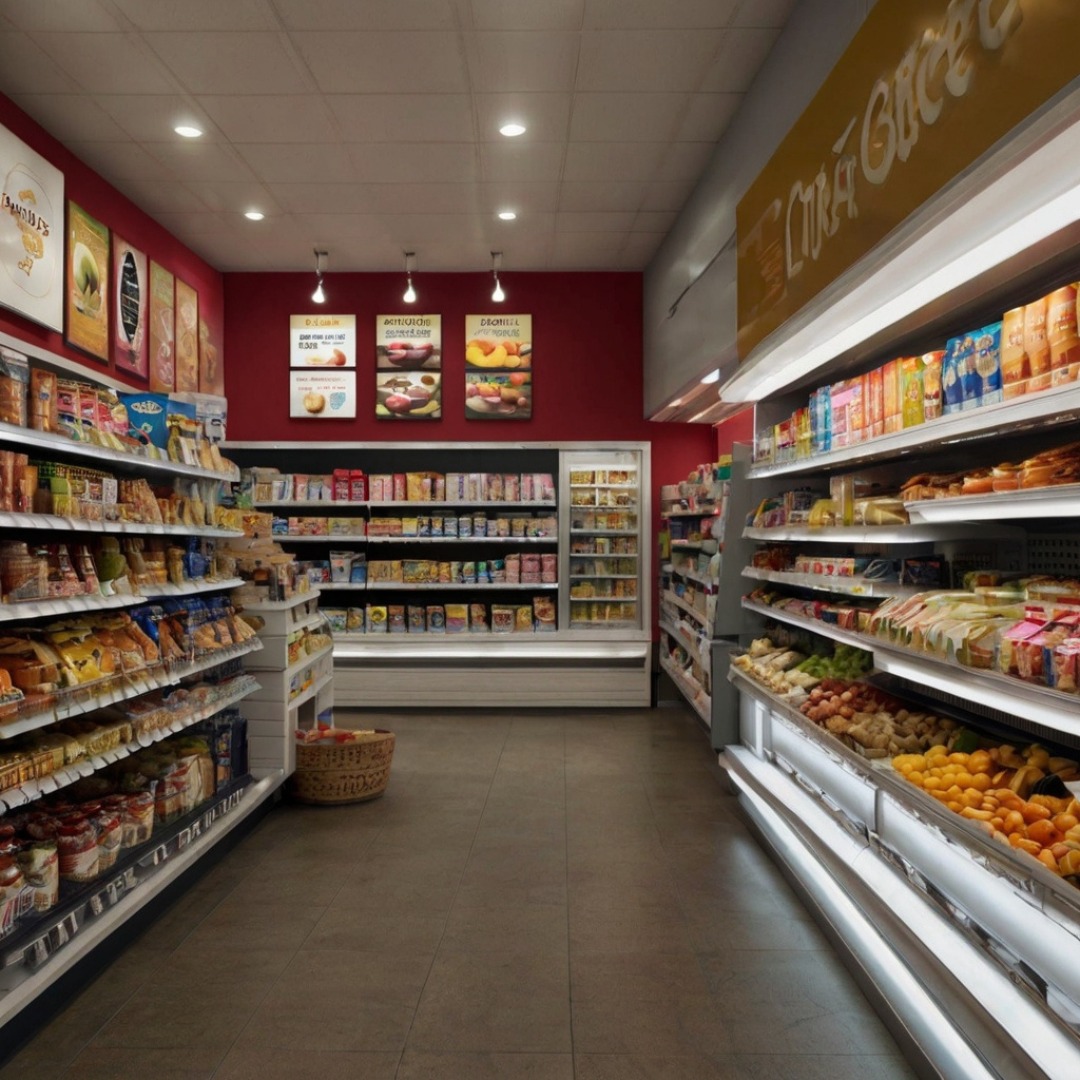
[
  {"x": 100, "y": 199},
  {"x": 694, "y": 270},
  {"x": 738, "y": 428}
]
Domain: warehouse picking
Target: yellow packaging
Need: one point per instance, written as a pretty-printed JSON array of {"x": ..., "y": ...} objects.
[
  {"x": 893, "y": 417},
  {"x": 911, "y": 376}
]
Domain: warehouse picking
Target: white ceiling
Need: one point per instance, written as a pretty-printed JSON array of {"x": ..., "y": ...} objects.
[{"x": 369, "y": 127}]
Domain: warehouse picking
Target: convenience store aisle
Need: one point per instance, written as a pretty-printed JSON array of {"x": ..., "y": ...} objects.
[{"x": 536, "y": 896}]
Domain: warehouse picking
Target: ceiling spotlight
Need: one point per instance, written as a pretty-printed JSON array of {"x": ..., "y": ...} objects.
[
  {"x": 512, "y": 129},
  {"x": 254, "y": 215},
  {"x": 410, "y": 266},
  {"x": 713, "y": 376},
  {"x": 507, "y": 215},
  {"x": 318, "y": 296},
  {"x": 188, "y": 131},
  {"x": 496, "y": 263}
]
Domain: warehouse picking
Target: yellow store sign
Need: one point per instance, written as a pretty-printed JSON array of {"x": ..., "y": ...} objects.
[{"x": 923, "y": 90}]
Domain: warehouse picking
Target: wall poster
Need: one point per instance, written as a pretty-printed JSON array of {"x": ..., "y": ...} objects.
[
  {"x": 31, "y": 233},
  {"x": 187, "y": 338},
  {"x": 131, "y": 307},
  {"x": 408, "y": 342},
  {"x": 498, "y": 367},
  {"x": 211, "y": 366},
  {"x": 87, "y": 279},
  {"x": 322, "y": 395},
  {"x": 162, "y": 330},
  {"x": 320, "y": 341},
  {"x": 408, "y": 395}
]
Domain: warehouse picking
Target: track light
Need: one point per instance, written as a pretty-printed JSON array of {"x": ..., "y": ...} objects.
[
  {"x": 410, "y": 266},
  {"x": 318, "y": 296},
  {"x": 496, "y": 263}
]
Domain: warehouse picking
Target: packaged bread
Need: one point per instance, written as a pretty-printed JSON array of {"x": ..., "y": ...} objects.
[
  {"x": 14, "y": 382},
  {"x": 43, "y": 410}
]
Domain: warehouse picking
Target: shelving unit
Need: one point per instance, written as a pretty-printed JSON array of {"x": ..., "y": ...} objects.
[
  {"x": 538, "y": 667},
  {"x": 830, "y": 583}
]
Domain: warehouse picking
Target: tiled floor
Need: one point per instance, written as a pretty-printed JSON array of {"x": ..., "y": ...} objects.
[{"x": 537, "y": 896}]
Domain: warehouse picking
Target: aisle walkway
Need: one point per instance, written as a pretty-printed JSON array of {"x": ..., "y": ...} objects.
[{"x": 542, "y": 897}]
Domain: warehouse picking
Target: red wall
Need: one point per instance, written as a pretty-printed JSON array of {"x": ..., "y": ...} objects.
[
  {"x": 100, "y": 199},
  {"x": 735, "y": 429}
]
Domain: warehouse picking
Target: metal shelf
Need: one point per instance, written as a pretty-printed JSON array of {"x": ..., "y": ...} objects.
[
  {"x": 322, "y": 504},
  {"x": 457, "y": 586},
  {"x": 606, "y": 487},
  {"x": 838, "y": 586},
  {"x": 61, "y": 444},
  {"x": 689, "y": 645},
  {"x": 872, "y": 534},
  {"x": 463, "y": 540},
  {"x": 19, "y": 611},
  {"x": 816, "y": 626},
  {"x": 450, "y": 504},
  {"x": 690, "y": 689},
  {"x": 682, "y": 605},
  {"x": 1032, "y": 412},
  {"x": 281, "y": 605},
  {"x": 603, "y": 577},
  {"x": 692, "y": 575},
  {"x": 1050, "y": 502},
  {"x": 349, "y": 538},
  {"x": 714, "y": 511},
  {"x": 55, "y": 523}
]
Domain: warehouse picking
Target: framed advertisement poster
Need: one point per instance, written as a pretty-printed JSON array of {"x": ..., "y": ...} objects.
[
  {"x": 498, "y": 342},
  {"x": 322, "y": 395},
  {"x": 408, "y": 395},
  {"x": 503, "y": 395},
  {"x": 162, "y": 330},
  {"x": 187, "y": 338},
  {"x": 87, "y": 284},
  {"x": 211, "y": 368},
  {"x": 31, "y": 233},
  {"x": 408, "y": 342},
  {"x": 320, "y": 341},
  {"x": 131, "y": 310}
]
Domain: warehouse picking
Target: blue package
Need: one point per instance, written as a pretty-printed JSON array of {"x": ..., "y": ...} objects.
[
  {"x": 148, "y": 414},
  {"x": 988, "y": 363},
  {"x": 952, "y": 368}
]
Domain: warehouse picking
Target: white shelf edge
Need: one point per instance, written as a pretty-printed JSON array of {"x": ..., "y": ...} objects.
[
  {"x": 472, "y": 504},
  {"x": 349, "y": 539},
  {"x": 603, "y": 577},
  {"x": 454, "y": 586},
  {"x": 505, "y": 540},
  {"x": 983, "y": 423},
  {"x": 604, "y": 532},
  {"x": 98, "y": 929},
  {"x": 309, "y": 692},
  {"x": 820, "y": 583},
  {"x": 701, "y": 579},
  {"x": 55, "y": 523},
  {"x": 870, "y": 534},
  {"x": 520, "y": 645},
  {"x": 674, "y": 631},
  {"x": 281, "y": 605},
  {"x": 1047, "y": 502},
  {"x": 816, "y": 626},
  {"x": 680, "y": 603},
  {"x": 45, "y": 441},
  {"x": 685, "y": 684}
]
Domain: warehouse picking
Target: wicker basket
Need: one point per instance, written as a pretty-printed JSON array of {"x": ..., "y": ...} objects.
[{"x": 343, "y": 772}]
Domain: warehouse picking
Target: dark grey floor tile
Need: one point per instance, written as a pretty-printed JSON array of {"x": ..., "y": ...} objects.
[
  {"x": 627, "y": 928},
  {"x": 535, "y": 928},
  {"x": 820, "y": 1067},
  {"x": 243, "y": 925},
  {"x": 377, "y": 929},
  {"x": 494, "y": 1002},
  {"x": 175, "y": 1018},
  {"x": 648, "y": 1067},
  {"x": 753, "y": 930},
  {"x": 251, "y": 1063},
  {"x": 420, "y": 1065},
  {"x": 105, "y": 1063},
  {"x": 638, "y": 976},
  {"x": 688, "y": 1026},
  {"x": 479, "y": 892}
]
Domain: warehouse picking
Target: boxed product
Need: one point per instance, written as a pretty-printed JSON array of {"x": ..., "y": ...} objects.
[
  {"x": 502, "y": 619},
  {"x": 954, "y": 367},
  {"x": 436, "y": 619},
  {"x": 375, "y": 618},
  {"x": 478, "y": 618},
  {"x": 1061, "y": 333},
  {"x": 932, "y": 403},
  {"x": 911, "y": 383},
  {"x": 544, "y": 617},
  {"x": 457, "y": 618},
  {"x": 891, "y": 397},
  {"x": 416, "y": 619},
  {"x": 354, "y": 620},
  {"x": 395, "y": 619},
  {"x": 1015, "y": 369},
  {"x": 847, "y": 405},
  {"x": 875, "y": 407},
  {"x": 382, "y": 488},
  {"x": 1037, "y": 344},
  {"x": 986, "y": 385},
  {"x": 14, "y": 385}
]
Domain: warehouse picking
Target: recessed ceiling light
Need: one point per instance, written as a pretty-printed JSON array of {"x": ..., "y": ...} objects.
[
  {"x": 512, "y": 129},
  {"x": 187, "y": 131},
  {"x": 254, "y": 215},
  {"x": 507, "y": 215}
]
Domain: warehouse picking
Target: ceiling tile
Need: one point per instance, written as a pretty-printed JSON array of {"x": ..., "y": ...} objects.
[
  {"x": 370, "y": 15},
  {"x": 403, "y": 117},
  {"x": 528, "y": 226},
  {"x": 234, "y": 199},
  {"x": 325, "y": 228},
  {"x": 594, "y": 161},
  {"x": 188, "y": 223},
  {"x": 587, "y": 251},
  {"x": 120, "y": 161},
  {"x": 423, "y": 232},
  {"x": 403, "y": 198},
  {"x": 70, "y": 117},
  {"x": 307, "y": 197},
  {"x": 763, "y": 13},
  {"x": 152, "y": 117},
  {"x": 654, "y": 221},
  {"x": 741, "y": 54},
  {"x": 271, "y": 118},
  {"x": 230, "y": 62},
  {"x": 645, "y": 60},
  {"x": 156, "y": 196},
  {"x": 533, "y": 254},
  {"x": 649, "y": 15},
  {"x": 609, "y": 196},
  {"x": 526, "y": 197},
  {"x": 537, "y": 60},
  {"x": 526, "y": 14},
  {"x": 707, "y": 117},
  {"x": 639, "y": 249},
  {"x": 419, "y": 162},
  {"x": 107, "y": 63},
  {"x": 457, "y": 256},
  {"x": 202, "y": 15},
  {"x": 60, "y": 15},
  {"x": 223, "y": 251},
  {"x": 598, "y": 221},
  {"x": 667, "y": 196},
  {"x": 295, "y": 163},
  {"x": 514, "y": 160},
  {"x": 201, "y": 161},
  {"x": 684, "y": 161},
  {"x": 547, "y": 116},
  {"x": 627, "y": 117},
  {"x": 26, "y": 69},
  {"x": 374, "y": 62}
]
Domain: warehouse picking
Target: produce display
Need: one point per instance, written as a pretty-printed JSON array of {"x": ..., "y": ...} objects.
[
  {"x": 1030, "y": 349},
  {"x": 1051, "y": 468}
]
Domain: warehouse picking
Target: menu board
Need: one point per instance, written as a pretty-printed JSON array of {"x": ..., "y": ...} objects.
[
  {"x": 87, "y": 283},
  {"x": 321, "y": 341},
  {"x": 162, "y": 329},
  {"x": 131, "y": 289},
  {"x": 187, "y": 338},
  {"x": 31, "y": 233},
  {"x": 322, "y": 395}
]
